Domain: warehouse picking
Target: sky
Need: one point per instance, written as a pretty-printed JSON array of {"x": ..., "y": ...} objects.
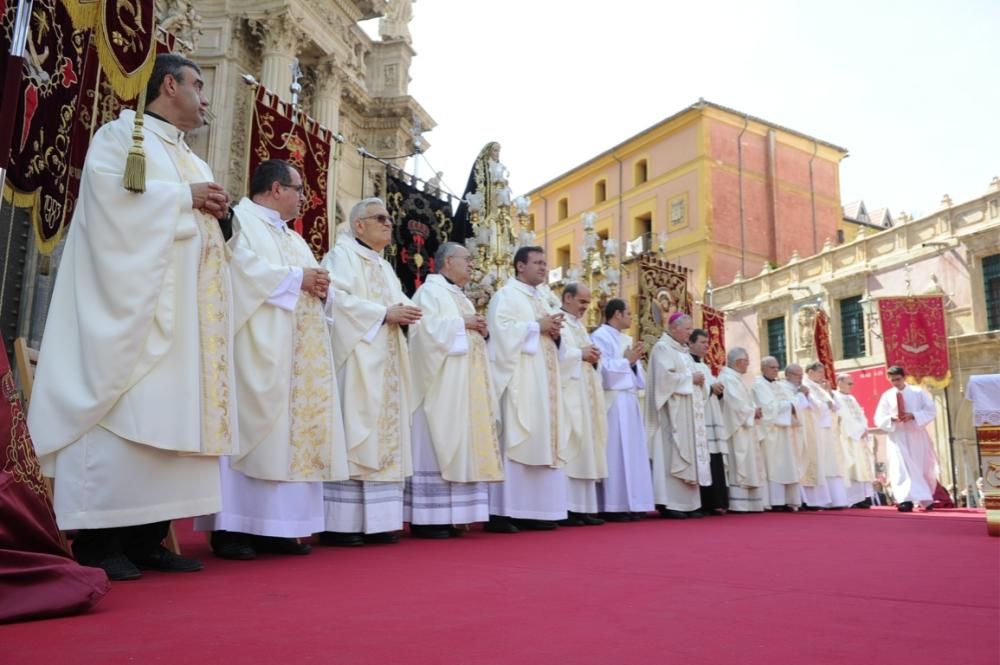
[{"x": 909, "y": 88}]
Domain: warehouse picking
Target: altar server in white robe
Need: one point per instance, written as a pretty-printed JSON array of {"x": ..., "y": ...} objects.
[
  {"x": 373, "y": 373},
  {"x": 714, "y": 493},
  {"x": 781, "y": 436},
  {"x": 746, "y": 471},
  {"x": 855, "y": 441},
  {"x": 456, "y": 450},
  {"x": 134, "y": 396},
  {"x": 671, "y": 422},
  {"x": 903, "y": 413},
  {"x": 627, "y": 493},
  {"x": 583, "y": 404},
  {"x": 523, "y": 333},
  {"x": 826, "y": 424},
  {"x": 291, "y": 430},
  {"x": 815, "y": 494}
]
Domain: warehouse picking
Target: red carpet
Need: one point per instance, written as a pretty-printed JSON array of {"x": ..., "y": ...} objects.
[{"x": 842, "y": 587}]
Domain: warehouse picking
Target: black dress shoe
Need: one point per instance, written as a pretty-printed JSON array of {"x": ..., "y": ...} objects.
[
  {"x": 668, "y": 514},
  {"x": 572, "y": 519},
  {"x": 500, "y": 524},
  {"x": 386, "y": 538},
  {"x": 431, "y": 531},
  {"x": 781, "y": 509},
  {"x": 591, "y": 520},
  {"x": 616, "y": 517},
  {"x": 534, "y": 525},
  {"x": 458, "y": 531},
  {"x": 695, "y": 514},
  {"x": 863, "y": 505},
  {"x": 232, "y": 545},
  {"x": 117, "y": 567},
  {"x": 905, "y": 507},
  {"x": 636, "y": 516},
  {"x": 160, "y": 558},
  {"x": 275, "y": 545},
  {"x": 340, "y": 539}
]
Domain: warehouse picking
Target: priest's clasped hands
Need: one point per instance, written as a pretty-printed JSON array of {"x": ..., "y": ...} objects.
[
  {"x": 402, "y": 315},
  {"x": 477, "y": 323},
  {"x": 316, "y": 281},
  {"x": 210, "y": 198},
  {"x": 551, "y": 325}
]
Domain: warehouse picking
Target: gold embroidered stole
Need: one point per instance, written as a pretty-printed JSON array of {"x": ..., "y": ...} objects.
[
  {"x": 551, "y": 355},
  {"x": 312, "y": 388},
  {"x": 388, "y": 427},
  {"x": 599, "y": 428},
  {"x": 213, "y": 318},
  {"x": 698, "y": 403},
  {"x": 482, "y": 418}
]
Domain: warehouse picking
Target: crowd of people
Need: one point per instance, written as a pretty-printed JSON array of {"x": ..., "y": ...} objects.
[{"x": 198, "y": 361}]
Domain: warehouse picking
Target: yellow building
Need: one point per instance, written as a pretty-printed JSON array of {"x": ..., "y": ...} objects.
[{"x": 719, "y": 191}]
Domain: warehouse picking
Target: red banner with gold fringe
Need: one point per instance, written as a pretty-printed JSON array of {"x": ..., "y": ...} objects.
[
  {"x": 824, "y": 348},
  {"x": 306, "y": 145},
  {"x": 713, "y": 321},
  {"x": 915, "y": 335}
]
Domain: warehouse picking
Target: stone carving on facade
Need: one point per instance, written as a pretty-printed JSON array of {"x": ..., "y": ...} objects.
[
  {"x": 394, "y": 26},
  {"x": 179, "y": 18},
  {"x": 805, "y": 322},
  {"x": 356, "y": 54},
  {"x": 278, "y": 33}
]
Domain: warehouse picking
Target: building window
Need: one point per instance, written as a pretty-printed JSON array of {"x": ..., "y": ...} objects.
[
  {"x": 601, "y": 191},
  {"x": 531, "y": 221},
  {"x": 678, "y": 212},
  {"x": 991, "y": 290},
  {"x": 563, "y": 258},
  {"x": 776, "y": 340},
  {"x": 852, "y": 328},
  {"x": 563, "y": 209},
  {"x": 642, "y": 227},
  {"x": 639, "y": 173}
]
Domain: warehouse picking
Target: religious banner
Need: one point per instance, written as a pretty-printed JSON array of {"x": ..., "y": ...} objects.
[
  {"x": 713, "y": 321},
  {"x": 824, "y": 348},
  {"x": 276, "y": 132},
  {"x": 662, "y": 291},
  {"x": 421, "y": 222},
  {"x": 869, "y": 384},
  {"x": 915, "y": 335}
]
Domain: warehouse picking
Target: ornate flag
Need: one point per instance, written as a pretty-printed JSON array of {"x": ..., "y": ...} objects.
[
  {"x": 869, "y": 384},
  {"x": 662, "y": 289},
  {"x": 915, "y": 335},
  {"x": 306, "y": 145},
  {"x": 714, "y": 323},
  {"x": 824, "y": 349},
  {"x": 421, "y": 222}
]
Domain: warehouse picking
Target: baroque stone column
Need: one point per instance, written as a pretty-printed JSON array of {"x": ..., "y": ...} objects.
[
  {"x": 281, "y": 37},
  {"x": 326, "y": 98}
]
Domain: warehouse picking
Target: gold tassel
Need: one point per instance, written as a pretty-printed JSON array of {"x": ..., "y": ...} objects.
[{"x": 135, "y": 165}]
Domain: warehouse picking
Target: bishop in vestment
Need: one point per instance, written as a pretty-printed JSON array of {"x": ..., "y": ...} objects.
[
  {"x": 373, "y": 374},
  {"x": 714, "y": 492},
  {"x": 855, "y": 440},
  {"x": 826, "y": 424},
  {"x": 134, "y": 396},
  {"x": 746, "y": 471},
  {"x": 671, "y": 422},
  {"x": 903, "y": 413},
  {"x": 291, "y": 430},
  {"x": 523, "y": 333},
  {"x": 627, "y": 492},
  {"x": 781, "y": 436},
  {"x": 815, "y": 494},
  {"x": 583, "y": 404},
  {"x": 456, "y": 449}
]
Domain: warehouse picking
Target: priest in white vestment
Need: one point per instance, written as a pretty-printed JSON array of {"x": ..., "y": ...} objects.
[
  {"x": 826, "y": 423},
  {"x": 903, "y": 413},
  {"x": 134, "y": 396},
  {"x": 714, "y": 493},
  {"x": 672, "y": 424},
  {"x": 523, "y": 333},
  {"x": 456, "y": 449},
  {"x": 583, "y": 404},
  {"x": 373, "y": 373},
  {"x": 627, "y": 492},
  {"x": 815, "y": 494},
  {"x": 781, "y": 436},
  {"x": 746, "y": 471},
  {"x": 855, "y": 441},
  {"x": 291, "y": 430}
]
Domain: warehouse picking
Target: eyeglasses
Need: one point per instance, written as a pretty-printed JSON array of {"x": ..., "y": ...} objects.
[
  {"x": 297, "y": 188},
  {"x": 381, "y": 219}
]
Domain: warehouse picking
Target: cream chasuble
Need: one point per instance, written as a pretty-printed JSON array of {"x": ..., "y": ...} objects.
[
  {"x": 746, "y": 463},
  {"x": 453, "y": 385},
  {"x": 834, "y": 455},
  {"x": 583, "y": 404},
  {"x": 854, "y": 439},
  {"x": 291, "y": 427},
  {"x": 526, "y": 377},
  {"x": 781, "y": 434},
  {"x": 373, "y": 364}
]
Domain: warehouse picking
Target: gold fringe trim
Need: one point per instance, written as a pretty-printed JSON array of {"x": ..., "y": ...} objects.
[
  {"x": 31, "y": 201},
  {"x": 931, "y": 382},
  {"x": 135, "y": 165},
  {"x": 82, "y": 13}
]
